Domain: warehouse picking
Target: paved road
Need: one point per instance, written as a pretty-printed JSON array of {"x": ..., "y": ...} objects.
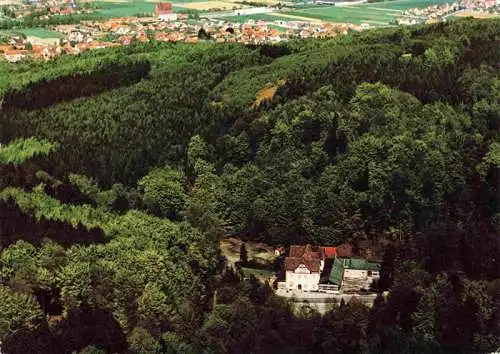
[{"x": 321, "y": 301}]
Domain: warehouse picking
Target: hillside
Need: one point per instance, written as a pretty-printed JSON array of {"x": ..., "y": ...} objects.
[{"x": 121, "y": 169}]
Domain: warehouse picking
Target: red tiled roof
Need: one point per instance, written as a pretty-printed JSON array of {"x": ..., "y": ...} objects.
[
  {"x": 330, "y": 252},
  {"x": 297, "y": 251},
  {"x": 308, "y": 252},
  {"x": 310, "y": 256},
  {"x": 292, "y": 263},
  {"x": 164, "y": 8},
  {"x": 15, "y": 52}
]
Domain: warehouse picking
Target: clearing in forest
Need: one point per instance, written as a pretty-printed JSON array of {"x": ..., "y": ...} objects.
[
  {"x": 260, "y": 258},
  {"x": 267, "y": 93},
  {"x": 256, "y": 251}
]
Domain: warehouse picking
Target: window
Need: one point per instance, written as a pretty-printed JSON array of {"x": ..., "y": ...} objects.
[{"x": 369, "y": 273}]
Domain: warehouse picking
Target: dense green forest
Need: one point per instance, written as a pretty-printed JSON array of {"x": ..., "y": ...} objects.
[{"x": 121, "y": 169}]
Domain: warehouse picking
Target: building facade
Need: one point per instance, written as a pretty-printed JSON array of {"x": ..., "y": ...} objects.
[
  {"x": 305, "y": 264},
  {"x": 302, "y": 279},
  {"x": 351, "y": 274},
  {"x": 303, "y": 268}
]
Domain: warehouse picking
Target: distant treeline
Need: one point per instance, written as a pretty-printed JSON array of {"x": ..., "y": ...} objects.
[{"x": 34, "y": 21}]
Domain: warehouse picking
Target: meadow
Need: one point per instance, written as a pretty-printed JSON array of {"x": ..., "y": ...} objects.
[
  {"x": 256, "y": 17},
  {"x": 377, "y": 14},
  {"x": 35, "y": 32},
  {"x": 109, "y": 9},
  {"x": 123, "y": 9}
]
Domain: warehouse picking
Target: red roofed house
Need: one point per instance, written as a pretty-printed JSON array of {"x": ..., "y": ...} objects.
[
  {"x": 341, "y": 251},
  {"x": 303, "y": 268},
  {"x": 13, "y": 56},
  {"x": 330, "y": 252},
  {"x": 164, "y": 11}
]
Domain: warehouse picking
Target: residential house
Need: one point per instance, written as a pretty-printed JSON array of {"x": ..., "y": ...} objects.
[
  {"x": 303, "y": 268},
  {"x": 327, "y": 268},
  {"x": 76, "y": 36},
  {"x": 351, "y": 274},
  {"x": 13, "y": 56}
]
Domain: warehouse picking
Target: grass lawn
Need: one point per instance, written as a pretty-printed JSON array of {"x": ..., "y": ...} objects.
[
  {"x": 379, "y": 13},
  {"x": 258, "y": 252},
  {"x": 35, "y": 32},
  {"x": 261, "y": 274}
]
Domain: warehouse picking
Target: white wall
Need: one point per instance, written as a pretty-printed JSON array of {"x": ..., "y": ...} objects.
[
  {"x": 359, "y": 278},
  {"x": 354, "y": 273},
  {"x": 168, "y": 17},
  {"x": 357, "y": 273},
  {"x": 308, "y": 282}
]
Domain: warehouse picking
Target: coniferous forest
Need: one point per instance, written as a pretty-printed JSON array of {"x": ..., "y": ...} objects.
[{"x": 121, "y": 169}]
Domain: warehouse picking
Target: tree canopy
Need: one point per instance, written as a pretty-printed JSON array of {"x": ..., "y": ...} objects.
[{"x": 121, "y": 170}]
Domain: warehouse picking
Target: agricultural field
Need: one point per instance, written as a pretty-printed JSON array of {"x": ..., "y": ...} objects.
[
  {"x": 376, "y": 14},
  {"x": 122, "y": 8},
  {"x": 405, "y": 4},
  {"x": 208, "y": 5},
  {"x": 269, "y": 17},
  {"x": 125, "y": 8},
  {"x": 40, "y": 33}
]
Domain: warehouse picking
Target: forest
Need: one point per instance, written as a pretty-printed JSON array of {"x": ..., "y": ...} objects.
[{"x": 122, "y": 169}]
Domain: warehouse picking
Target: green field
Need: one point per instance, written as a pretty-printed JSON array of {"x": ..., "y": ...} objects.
[
  {"x": 256, "y": 17},
  {"x": 380, "y": 13},
  {"x": 126, "y": 9},
  {"x": 406, "y": 4},
  {"x": 35, "y": 32}
]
